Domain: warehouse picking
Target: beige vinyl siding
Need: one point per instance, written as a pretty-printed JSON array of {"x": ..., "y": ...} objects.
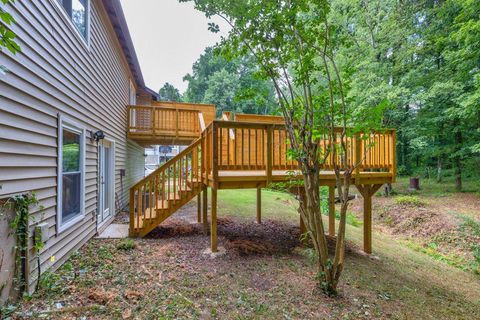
[{"x": 56, "y": 73}]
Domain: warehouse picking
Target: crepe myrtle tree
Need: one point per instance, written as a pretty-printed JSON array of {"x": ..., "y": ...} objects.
[
  {"x": 294, "y": 44},
  {"x": 7, "y": 36}
]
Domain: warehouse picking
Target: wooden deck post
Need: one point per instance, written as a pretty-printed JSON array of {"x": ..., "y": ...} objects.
[
  {"x": 259, "y": 205},
  {"x": 205, "y": 210},
  {"x": 199, "y": 208},
  {"x": 213, "y": 223},
  {"x": 269, "y": 157},
  {"x": 331, "y": 211},
  {"x": 367, "y": 220},
  {"x": 367, "y": 192}
]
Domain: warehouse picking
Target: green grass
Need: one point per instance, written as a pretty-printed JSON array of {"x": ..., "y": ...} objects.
[
  {"x": 421, "y": 279},
  {"x": 242, "y": 203},
  {"x": 432, "y": 188}
]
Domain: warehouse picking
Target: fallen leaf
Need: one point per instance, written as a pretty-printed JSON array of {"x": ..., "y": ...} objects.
[
  {"x": 127, "y": 314},
  {"x": 132, "y": 295}
]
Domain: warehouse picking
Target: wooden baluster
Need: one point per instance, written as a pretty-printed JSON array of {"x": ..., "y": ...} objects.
[
  {"x": 269, "y": 163},
  {"x": 256, "y": 149},
  {"x": 394, "y": 152},
  {"x": 164, "y": 188},
  {"x": 249, "y": 149},
  {"x": 215, "y": 157},
  {"x": 174, "y": 181},
  {"x": 228, "y": 150},
  {"x": 141, "y": 211},
  {"x": 220, "y": 151},
  {"x": 358, "y": 153},
  {"x": 235, "y": 160},
  {"x": 132, "y": 230},
  {"x": 243, "y": 147}
]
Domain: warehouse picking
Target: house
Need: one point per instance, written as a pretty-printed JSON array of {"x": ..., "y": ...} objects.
[
  {"x": 72, "y": 82},
  {"x": 75, "y": 117}
]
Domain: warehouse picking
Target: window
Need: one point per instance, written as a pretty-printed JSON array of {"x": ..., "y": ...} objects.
[
  {"x": 132, "y": 95},
  {"x": 77, "y": 11},
  {"x": 71, "y": 174}
]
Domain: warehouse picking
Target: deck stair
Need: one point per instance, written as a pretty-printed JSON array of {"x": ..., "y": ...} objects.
[{"x": 164, "y": 191}]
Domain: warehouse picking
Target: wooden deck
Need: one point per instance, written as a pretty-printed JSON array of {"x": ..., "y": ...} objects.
[
  {"x": 168, "y": 123},
  {"x": 230, "y": 154},
  {"x": 247, "y": 179}
]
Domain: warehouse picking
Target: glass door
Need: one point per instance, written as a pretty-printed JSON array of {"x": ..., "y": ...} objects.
[{"x": 106, "y": 183}]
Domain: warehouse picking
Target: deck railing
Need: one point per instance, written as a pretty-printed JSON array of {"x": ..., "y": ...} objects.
[
  {"x": 167, "y": 188},
  {"x": 163, "y": 121},
  {"x": 265, "y": 146}
]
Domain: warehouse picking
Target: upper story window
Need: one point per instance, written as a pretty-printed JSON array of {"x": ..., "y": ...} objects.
[
  {"x": 77, "y": 10},
  {"x": 132, "y": 95}
]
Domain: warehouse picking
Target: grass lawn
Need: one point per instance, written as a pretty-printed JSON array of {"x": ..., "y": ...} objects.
[{"x": 166, "y": 276}]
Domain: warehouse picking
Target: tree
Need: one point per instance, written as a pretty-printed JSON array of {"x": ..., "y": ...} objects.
[
  {"x": 169, "y": 93},
  {"x": 7, "y": 36},
  {"x": 424, "y": 57},
  {"x": 231, "y": 84},
  {"x": 221, "y": 90},
  {"x": 295, "y": 44}
]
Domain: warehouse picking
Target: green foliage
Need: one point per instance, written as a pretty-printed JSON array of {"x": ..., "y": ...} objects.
[
  {"x": 230, "y": 84},
  {"x": 20, "y": 228},
  {"x": 169, "y": 93},
  {"x": 432, "y": 251},
  {"x": 409, "y": 200},
  {"x": 71, "y": 157},
  {"x": 50, "y": 283},
  {"x": 424, "y": 58},
  {"x": 126, "y": 245},
  {"x": 7, "y": 36}
]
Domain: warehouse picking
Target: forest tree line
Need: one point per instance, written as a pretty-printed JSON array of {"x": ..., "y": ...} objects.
[{"x": 417, "y": 61}]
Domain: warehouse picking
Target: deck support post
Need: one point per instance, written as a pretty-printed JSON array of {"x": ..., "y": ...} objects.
[
  {"x": 367, "y": 191},
  {"x": 259, "y": 205},
  {"x": 331, "y": 211},
  {"x": 205, "y": 210},
  {"x": 199, "y": 208},
  {"x": 213, "y": 222},
  {"x": 367, "y": 222}
]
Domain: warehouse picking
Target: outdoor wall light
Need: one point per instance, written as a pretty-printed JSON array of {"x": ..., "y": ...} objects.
[{"x": 99, "y": 135}]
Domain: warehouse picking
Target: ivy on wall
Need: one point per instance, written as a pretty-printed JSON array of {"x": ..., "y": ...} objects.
[{"x": 21, "y": 206}]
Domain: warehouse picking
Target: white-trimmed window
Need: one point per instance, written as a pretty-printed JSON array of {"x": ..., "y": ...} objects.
[
  {"x": 71, "y": 174},
  {"x": 77, "y": 11},
  {"x": 132, "y": 97}
]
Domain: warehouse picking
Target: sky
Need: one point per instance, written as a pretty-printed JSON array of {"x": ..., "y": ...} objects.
[{"x": 169, "y": 37}]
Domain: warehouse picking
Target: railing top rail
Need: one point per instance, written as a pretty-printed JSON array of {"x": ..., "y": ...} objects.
[
  {"x": 164, "y": 108},
  {"x": 256, "y": 125},
  {"x": 159, "y": 103}
]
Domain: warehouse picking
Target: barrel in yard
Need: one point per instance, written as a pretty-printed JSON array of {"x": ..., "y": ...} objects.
[{"x": 414, "y": 183}]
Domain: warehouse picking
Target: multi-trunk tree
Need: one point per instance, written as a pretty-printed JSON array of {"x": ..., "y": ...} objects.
[{"x": 295, "y": 44}]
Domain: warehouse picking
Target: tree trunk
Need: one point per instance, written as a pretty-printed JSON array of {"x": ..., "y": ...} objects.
[
  {"x": 458, "y": 174},
  {"x": 458, "y": 159},
  {"x": 439, "y": 169}
]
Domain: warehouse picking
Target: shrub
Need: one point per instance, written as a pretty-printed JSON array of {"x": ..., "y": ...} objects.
[
  {"x": 409, "y": 200},
  {"x": 126, "y": 245}
]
